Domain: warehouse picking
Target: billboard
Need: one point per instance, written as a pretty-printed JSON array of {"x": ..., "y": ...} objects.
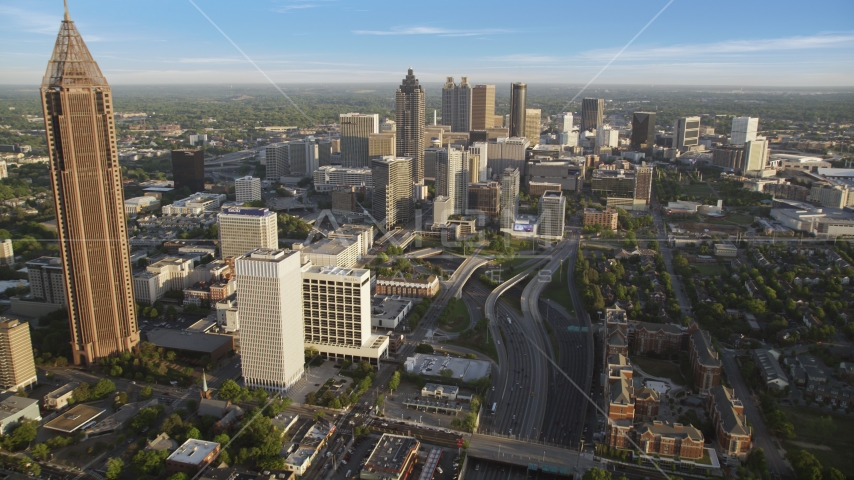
[{"x": 523, "y": 227}]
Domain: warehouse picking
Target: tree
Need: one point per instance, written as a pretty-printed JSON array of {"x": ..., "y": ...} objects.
[
  {"x": 319, "y": 415},
  {"x": 230, "y": 390},
  {"x": 446, "y": 373},
  {"x": 178, "y": 476},
  {"x": 121, "y": 399},
  {"x": 21, "y": 435},
  {"x": 222, "y": 439},
  {"x": 151, "y": 461},
  {"x": 424, "y": 348},
  {"x": 103, "y": 388},
  {"x": 193, "y": 433},
  {"x": 596, "y": 474},
  {"x": 192, "y": 405},
  {"x": 114, "y": 468},
  {"x": 40, "y": 451},
  {"x": 805, "y": 465},
  {"x": 394, "y": 382},
  {"x": 146, "y": 392}
]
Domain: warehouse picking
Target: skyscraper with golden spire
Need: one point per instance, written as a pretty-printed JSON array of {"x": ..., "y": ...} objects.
[{"x": 87, "y": 189}]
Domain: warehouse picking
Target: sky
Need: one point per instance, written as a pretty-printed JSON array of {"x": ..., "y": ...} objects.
[{"x": 645, "y": 42}]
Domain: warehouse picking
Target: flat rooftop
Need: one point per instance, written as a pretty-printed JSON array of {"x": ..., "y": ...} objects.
[
  {"x": 193, "y": 451},
  {"x": 68, "y": 387},
  {"x": 464, "y": 368},
  {"x": 335, "y": 270},
  {"x": 187, "y": 341},
  {"x": 328, "y": 246},
  {"x": 249, "y": 211},
  {"x": 12, "y": 406},
  {"x": 75, "y": 418},
  {"x": 391, "y": 453}
]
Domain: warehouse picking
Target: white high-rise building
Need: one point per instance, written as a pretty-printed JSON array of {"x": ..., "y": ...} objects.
[
  {"x": 744, "y": 129},
  {"x": 247, "y": 189},
  {"x": 552, "y": 214},
  {"x": 452, "y": 177},
  {"x": 7, "y": 253},
  {"x": 509, "y": 197},
  {"x": 756, "y": 154},
  {"x": 605, "y": 137},
  {"x": 269, "y": 304},
  {"x": 243, "y": 229},
  {"x": 565, "y": 122},
  {"x": 356, "y": 129},
  {"x": 481, "y": 149},
  {"x": 337, "y": 313}
]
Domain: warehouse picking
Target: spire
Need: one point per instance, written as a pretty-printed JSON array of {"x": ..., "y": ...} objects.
[
  {"x": 71, "y": 63},
  {"x": 204, "y": 382}
]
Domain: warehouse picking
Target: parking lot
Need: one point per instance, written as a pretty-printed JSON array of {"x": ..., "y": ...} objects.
[{"x": 362, "y": 449}]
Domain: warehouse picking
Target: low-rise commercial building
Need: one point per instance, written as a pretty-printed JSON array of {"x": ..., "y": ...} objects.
[
  {"x": 136, "y": 205},
  {"x": 726, "y": 250},
  {"x": 14, "y": 409},
  {"x": 607, "y": 218},
  {"x": 191, "y": 457},
  {"x": 392, "y": 459},
  {"x": 195, "y": 204},
  {"x": 769, "y": 369},
  {"x": 79, "y": 416},
  {"x": 58, "y": 399},
  {"x": 389, "y": 311},
  {"x": 197, "y": 344},
  {"x": 408, "y": 287},
  {"x": 363, "y": 234}
]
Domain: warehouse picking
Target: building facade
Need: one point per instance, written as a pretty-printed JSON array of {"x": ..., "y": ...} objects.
[
  {"x": 643, "y": 131},
  {"x": 533, "y": 124},
  {"x": 744, "y": 129},
  {"x": 457, "y": 104},
  {"x": 247, "y": 189},
  {"x": 483, "y": 107},
  {"x": 329, "y": 178},
  {"x": 670, "y": 440},
  {"x": 271, "y": 328},
  {"x": 485, "y": 197},
  {"x": 17, "y": 367},
  {"x": 381, "y": 144},
  {"x": 552, "y": 215},
  {"x": 705, "y": 364},
  {"x": 509, "y": 197},
  {"x": 408, "y": 287},
  {"x": 686, "y": 133},
  {"x": 356, "y": 130},
  {"x": 188, "y": 169},
  {"x": 734, "y": 434},
  {"x": 7, "y": 253},
  {"x": 607, "y": 218},
  {"x": 592, "y": 110},
  {"x": 518, "y": 102},
  {"x": 47, "y": 280},
  {"x": 409, "y": 105},
  {"x": 242, "y": 229},
  {"x": 392, "y": 196},
  {"x": 658, "y": 338},
  {"x": 87, "y": 187}
]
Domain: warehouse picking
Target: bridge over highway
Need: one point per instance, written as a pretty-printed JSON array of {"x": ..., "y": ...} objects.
[{"x": 531, "y": 455}]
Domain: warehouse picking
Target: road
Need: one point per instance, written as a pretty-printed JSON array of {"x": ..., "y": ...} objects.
[
  {"x": 667, "y": 256},
  {"x": 761, "y": 438}
]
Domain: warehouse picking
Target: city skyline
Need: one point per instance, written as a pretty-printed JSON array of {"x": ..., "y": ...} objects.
[{"x": 175, "y": 43}]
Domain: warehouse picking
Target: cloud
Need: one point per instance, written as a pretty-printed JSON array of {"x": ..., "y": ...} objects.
[
  {"x": 29, "y": 20},
  {"x": 526, "y": 58},
  {"x": 732, "y": 47},
  {"x": 299, "y": 6},
  {"x": 210, "y": 60},
  {"x": 442, "y": 32}
]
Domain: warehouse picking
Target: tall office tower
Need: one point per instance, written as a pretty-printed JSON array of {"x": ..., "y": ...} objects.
[
  {"x": 188, "y": 169},
  {"x": 87, "y": 190},
  {"x": 565, "y": 122},
  {"x": 7, "y": 252},
  {"x": 17, "y": 368},
  {"x": 457, "y": 105},
  {"x": 247, "y": 189},
  {"x": 277, "y": 156},
  {"x": 744, "y": 130},
  {"x": 243, "y": 229},
  {"x": 269, "y": 303},
  {"x": 302, "y": 157},
  {"x": 756, "y": 154},
  {"x": 643, "y": 183},
  {"x": 409, "y": 103},
  {"x": 643, "y": 131},
  {"x": 509, "y": 197},
  {"x": 507, "y": 152},
  {"x": 324, "y": 152},
  {"x": 482, "y": 107},
  {"x": 605, "y": 137},
  {"x": 337, "y": 311},
  {"x": 381, "y": 144},
  {"x": 481, "y": 151},
  {"x": 452, "y": 177},
  {"x": 518, "y": 93},
  {"x": 356, "y": 129},
  {"x": 592, "y": 110},
  {"x": 485, "y": 197},
  {"x": 686, "y": 133},
  {"x": 552, "y": 214},
  {"x": 533, "y": 122},
  {"x": 392, "y": 200},
  {"x": 47, "y": 281},
  {"x": 431, "y": 159}
]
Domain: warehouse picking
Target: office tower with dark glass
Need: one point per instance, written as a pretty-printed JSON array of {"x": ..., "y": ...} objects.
[
  {"x": 518, "y": 93},
  {"x": 409, "y": 104},
  {"x": 87, "y": 189},
  {"x": 188, "y": 169},
  {"x": 592, "y": 110},
  {"x": 482, "y": 107},
  {"x": 457, "y": 105},
  {"x": 356, "y": 129},
  {"x": 392, "y": 200},
  {"x": 643, "y": 131}
]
